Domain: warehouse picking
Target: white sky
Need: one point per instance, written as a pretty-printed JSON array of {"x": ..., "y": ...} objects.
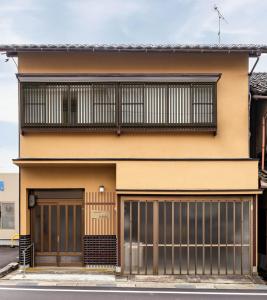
[{"x": 116, "y": 21}]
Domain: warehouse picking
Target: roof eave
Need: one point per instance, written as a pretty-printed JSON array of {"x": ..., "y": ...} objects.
[{"x": 250, "y": 52}]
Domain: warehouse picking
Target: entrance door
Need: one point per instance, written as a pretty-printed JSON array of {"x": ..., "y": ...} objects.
[
  {"x": 57, "y": 231},
  {"x": 186, "y": 237}
]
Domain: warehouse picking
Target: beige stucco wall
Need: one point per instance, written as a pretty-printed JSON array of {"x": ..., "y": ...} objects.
[
  {"x": 188, "y": 175},
  {"x": 231, "y": 139},
  {"x": 10, "y": 195}
]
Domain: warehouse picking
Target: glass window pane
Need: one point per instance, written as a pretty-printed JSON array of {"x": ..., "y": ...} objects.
[
  {"x": 70, "y": 228},
  {"x": 230, "y": 223},
  {"x": 238, "y": 223},
  {"x": 192, "y": 223},
  {"x": 214, "y": 222},
  {"x": 200, "y": 207},
  {"x": 104, "y": 103},
  {"x": 155, "y": 104},
  {"x": 246, "y": 223},
  {"x": 8, "y": 215},
  {"x": 62, "y": 228},
  {"x": 53, "y": 228},
  {"x": 132, "y": 102},
  {"x": 46, "y": 228},
  {"x": 222, "y": 223}
]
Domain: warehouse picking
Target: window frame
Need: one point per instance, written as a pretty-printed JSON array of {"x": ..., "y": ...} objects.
[{"x": 119, "y": 125}]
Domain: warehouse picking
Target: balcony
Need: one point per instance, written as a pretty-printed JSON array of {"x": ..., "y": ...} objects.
[{"x": 118, "y": 107}]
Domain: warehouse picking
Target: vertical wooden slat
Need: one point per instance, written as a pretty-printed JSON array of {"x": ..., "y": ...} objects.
[
  {"x": 211, "y": 238},
  {"x": 203, "y": 238},
  {"x": 122, "y": 246},
  {"x": 219, "y": 237},
  {"x": 173, "y": 237},
  {"x": 87, "y": 213},
  {"x": 242, "y": 224},
  {"x": 131, "y": 228},
  {"x": 155, "y": 236},
  {"x": 146, "y": 237},
  {"x": 187, "y": 226},
  {"x": 164, "y": 236},
  {"x": 66, "y": 227},
  {"x": 109, "y": 221},
  {"x": 42, "y": 228},
  {"x": 74, "y": 228},
  {"x": 180, "y": 237},
  {"x": 234, "y": 263},
  {"x": 49, "y": 228},
  {"x": 100, "y": 207},
  {"x": 115, "y": 221},
  {"x": 138, "y": 237},
  {"x": 195, "y": 203},
  {"x": 34, "y": 237},
  {"x": 96, "y": 206},
  {"x": 256, "y": 229},
  {"x": 251, "y": 234},
  {"x": 226, "y": 237},
  {"x": 58, "y": 234}
]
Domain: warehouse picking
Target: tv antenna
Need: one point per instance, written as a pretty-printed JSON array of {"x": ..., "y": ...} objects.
[{"x": 220, "y": 18}]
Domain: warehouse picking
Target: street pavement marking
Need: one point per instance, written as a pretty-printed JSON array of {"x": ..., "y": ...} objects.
[{"x": 137, "y": 291}]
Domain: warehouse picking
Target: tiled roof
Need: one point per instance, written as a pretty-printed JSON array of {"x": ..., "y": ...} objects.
[
  {"x": 258, "y": 83},
  {"x": 251, "y": 49}
]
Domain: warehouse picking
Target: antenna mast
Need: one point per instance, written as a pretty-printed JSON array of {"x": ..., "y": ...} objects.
[{"x": 220, "y": 17}]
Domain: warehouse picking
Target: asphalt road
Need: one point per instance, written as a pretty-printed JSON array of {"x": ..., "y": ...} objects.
[
  {"x": 8, "y": 255},
  {"x": 33, "y": 293}
]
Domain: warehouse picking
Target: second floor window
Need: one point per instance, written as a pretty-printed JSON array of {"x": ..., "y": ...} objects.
[{"x": 125, "y": 105}]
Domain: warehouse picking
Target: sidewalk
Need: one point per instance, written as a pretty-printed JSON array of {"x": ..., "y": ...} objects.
[{"x": 89, "y": 278}]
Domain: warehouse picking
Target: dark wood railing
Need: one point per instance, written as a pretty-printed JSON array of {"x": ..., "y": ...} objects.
[{"x": 118, "y": 106}]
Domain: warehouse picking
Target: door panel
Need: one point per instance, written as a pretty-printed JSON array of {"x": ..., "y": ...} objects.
[{"x": 57, "y": 230}]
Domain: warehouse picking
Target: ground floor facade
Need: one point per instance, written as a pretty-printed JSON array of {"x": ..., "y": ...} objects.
[{"x": 154, "y": 221}]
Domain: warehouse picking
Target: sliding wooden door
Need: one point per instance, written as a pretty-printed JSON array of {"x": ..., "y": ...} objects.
[{"x": 57, "y": 231}]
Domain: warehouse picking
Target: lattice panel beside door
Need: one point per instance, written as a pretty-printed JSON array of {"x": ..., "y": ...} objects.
[{"x": 100, "y": 213}]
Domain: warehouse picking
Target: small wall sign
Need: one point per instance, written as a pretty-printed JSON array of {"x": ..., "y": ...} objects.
[
  {"x": 2, "y": 186},
  {"x": 100, "y": 214}
]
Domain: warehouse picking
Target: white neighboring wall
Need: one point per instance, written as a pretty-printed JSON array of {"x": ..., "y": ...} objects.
[{"x": 9, "y": 207}]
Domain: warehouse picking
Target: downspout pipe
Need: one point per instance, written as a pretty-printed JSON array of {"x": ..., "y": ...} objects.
[
  {"x": 263, "y": 142},
  {"x": 255, "y": 64}
]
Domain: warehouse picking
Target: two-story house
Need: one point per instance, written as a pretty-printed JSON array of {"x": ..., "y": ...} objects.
[{"x": 137, "y": 157}]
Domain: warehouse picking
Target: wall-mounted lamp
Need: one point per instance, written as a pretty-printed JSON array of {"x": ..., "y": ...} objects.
[
  {"x": 31, "y": 200},
  {"x": 101, "y": 189}
]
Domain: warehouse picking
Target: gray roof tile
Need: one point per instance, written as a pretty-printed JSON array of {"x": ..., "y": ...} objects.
[
  {"x": 258, "y": 83},
  {"x": 252, "y": 49}
]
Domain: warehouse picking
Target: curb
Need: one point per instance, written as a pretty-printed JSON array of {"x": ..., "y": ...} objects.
[{"x": 8, "y": 269}]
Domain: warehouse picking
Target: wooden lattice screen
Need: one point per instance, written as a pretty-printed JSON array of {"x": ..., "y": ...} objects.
[{"x": 100, "y": 213}]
